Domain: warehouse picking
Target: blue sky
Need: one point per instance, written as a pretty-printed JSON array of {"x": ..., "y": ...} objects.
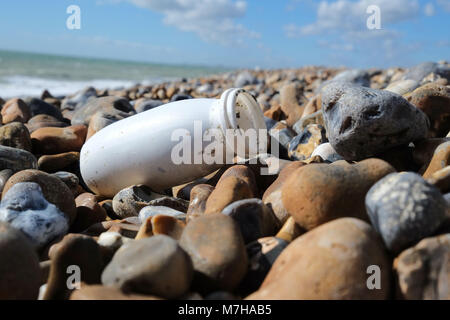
[{"x": 233, "y": 33}]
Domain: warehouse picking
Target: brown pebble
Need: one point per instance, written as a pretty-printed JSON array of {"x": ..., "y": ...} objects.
[
  {"x": 317, "y": 193},
  {"x": 226, "y": 192},
  {"x": 441, "y": 159},
  {"x": 330, "y": 262},
  {"x": 52, "y": 140},
  {"x": 89, "y": 212},
  {"x": 15, "y": 110},
  {"x": 58, "y": 162},
  {"x": 272, "y": 196},
  {"x": 197, "y": 205}
]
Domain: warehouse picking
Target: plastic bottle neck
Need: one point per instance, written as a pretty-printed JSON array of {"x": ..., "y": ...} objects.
[{"x": 239, "y": 113}]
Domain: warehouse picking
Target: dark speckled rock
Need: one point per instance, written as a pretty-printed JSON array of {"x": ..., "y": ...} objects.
[
  {"x": 38, "y": 106},
  {"x": 255, "y": 219},
  {"x": 404, "y": 209},
  {"x": 362, "y": 122}
]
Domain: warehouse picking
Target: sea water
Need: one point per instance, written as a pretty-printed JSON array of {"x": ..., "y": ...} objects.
[{"x": 28, "y": 74}]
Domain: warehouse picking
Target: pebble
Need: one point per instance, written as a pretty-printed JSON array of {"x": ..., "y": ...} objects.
[
  {"x": 434, "y": 101},
  {"x": 262, "y": 254},
  {"x": 74, "y": 250},
  {"x": 290, "y": 230},
  {"x": 54, "y": 190},
  {"x": 4, "y": 176},
  {"x": 170, "y": 202},
  {"x": 354, "y": 76},
  {"x": 362, "y": 122},
  {"x": 111, "y": 105},
  {"x": 283, "y": 135},
  {"x": 16, "y": 159},
  {"x": 402, "y": 87},
  {"x": 254, "y": 218},
  {"x": 180, "y": 96},
  {"x": 342, "y": 188},
  {"x": 89, "y": 212},
  {"x": 423, "y": 271},
  {"x": 70, "y": 180},
  {"x": 244, "y": 78},
  {"x": 161, "y": 224},
  {"x": 15, "y": 110},
  {"x": 420, "y": 71},
  {"x": 77, "y": 100},
  {"x": 129, "y": 201},
  {"x": 151, "y": 211},
  {"x": 441, "y": 179},
  {"x": 229, "y": 190},
  {"x": 274, "y": 113},
  {"x": 326, "y": 152},
  {"x": 244, "y": 173},
  {"x": 329, "y": 263},
  {"x": 142, "y": 105},
  {"x": 290, "y": 102},
  {"x": 272, "y": 195},
  {"x": 303, "y": 145},
  {"x": 15, "y": 135},
  {"x": 313, "y": 107},
  {"x": 215, "y": 245},
  {"x": 197, "y": 204},
  {"x": 54, "y": 140},
  {"x": 314, "y": 118},
  {"x": 44, "y": 121},
  {"x": 38, "y": 106},
  {"x": 19, "y": 265},
  {"x": 155, "y": 265},
  {"x": 125, "y": 227},
  {"x": 59, "y": 162},
  {"x": 424, "y": 151},
  {"x": 25, "y": 208},
  {"x": 404, "y": 209},
  {"x": 440, "y": 159},
  {"x": 99, "y": 121}
]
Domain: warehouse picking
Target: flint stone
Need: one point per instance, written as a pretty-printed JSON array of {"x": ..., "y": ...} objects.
[
  {"x": 25, "y": 208},
  {"x": 362, "y": 122},
  {"x": 404, "y": 209}
]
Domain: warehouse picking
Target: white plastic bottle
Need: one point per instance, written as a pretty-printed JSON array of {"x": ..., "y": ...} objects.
[{"x": 140, "y": 149}]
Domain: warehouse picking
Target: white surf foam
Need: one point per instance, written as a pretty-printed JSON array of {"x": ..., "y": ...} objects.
[{"x": 24, "y": 86}]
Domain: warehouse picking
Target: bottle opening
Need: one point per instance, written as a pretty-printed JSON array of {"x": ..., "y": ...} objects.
[{"x": 244, "y": 123}]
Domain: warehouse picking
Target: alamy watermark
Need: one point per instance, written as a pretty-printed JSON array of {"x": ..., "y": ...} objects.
[
  {"x": 214, "y": 146},
  {"x": 74, "y": 279},
  {"x": 374, "y": 20},
  {"x": 73, "y": 22},
  {"x": 374, "y": 280}
]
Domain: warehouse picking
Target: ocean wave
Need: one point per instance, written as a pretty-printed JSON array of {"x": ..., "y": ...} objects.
[{"x": 25, "y": 86}]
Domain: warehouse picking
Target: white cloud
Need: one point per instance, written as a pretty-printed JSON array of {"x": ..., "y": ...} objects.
[
  {"x": 429, "y": 9},
  {"x": 344, "y": 15},
  {"x": 345, "y": 23},
  {"x": 211, "y": 20},
  {"x": 444, "y": 4}
]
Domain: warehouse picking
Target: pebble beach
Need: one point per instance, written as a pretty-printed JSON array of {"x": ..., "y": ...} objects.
[{"x": 358, "y": 207}]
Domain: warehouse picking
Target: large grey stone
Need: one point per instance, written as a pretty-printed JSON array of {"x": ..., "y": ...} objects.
[
  {"x": 362, "y": 122},
  {"x": 25, "y": 208}
]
